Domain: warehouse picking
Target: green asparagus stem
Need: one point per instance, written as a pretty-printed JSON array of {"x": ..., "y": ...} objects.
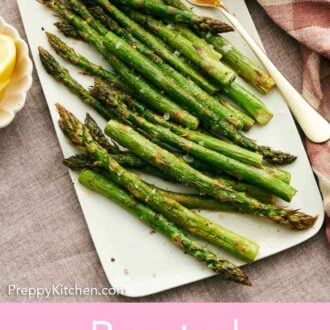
[
  {"x": 174, "y": 211},
  {"x": 237, "y": 113},
  {"x": 84, "y": 161},
  {"x": 279, "y": 173},
  {"x": 186, "y": 85},
  {"x": 235, "y": 168},
  {"x": 209, "y": 119},
  {"x": 123, "y": 158},
  {"x": 259, "y": 78},
  {"x": 178, "y": 169},
  {"x": 113, "y": 26},
  {"x": 210, "y": 142},
  {"x": 79, "y": 162},
  {"x": 197, "y": 41},
  {"x": 191, "y": 201},
  {"x": 107, "y": 188},
  {"x": 234, "y": 58},
  {"x": 246, "y": 68},
  {"x": 158, "y": 47},
  {"x": 198, "y": 56},
  {"x": 69, "y": 54},
  {"x": 135, "y": 84},
  {"x": 249, "y": 102},
  {"x": 187, "y": 17},
  {"x": 215, "y": 69}
]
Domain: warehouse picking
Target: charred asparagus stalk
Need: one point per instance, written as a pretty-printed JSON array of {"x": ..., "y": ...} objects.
[
  {"x": 63, "y": 50},
  {"x": 191, "y": 201},
  {"x": 174, "y": 211},
  {"x": 68, "y": 30},
  {"x": 124, "y": 158},
  {"x": 102, "y": 92},
  {"x": 158, "y": 222},
  {"x": 62, "y": 74},
  {"x": 84, "y": 161},
  {"x": 171, "y": 165}
]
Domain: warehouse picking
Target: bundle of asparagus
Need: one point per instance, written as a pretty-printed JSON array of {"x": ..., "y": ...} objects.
[
  {"x": 168, "y": 104},
  {"x": 118, "y": 47},
  {"x": 160, "y": 202}
]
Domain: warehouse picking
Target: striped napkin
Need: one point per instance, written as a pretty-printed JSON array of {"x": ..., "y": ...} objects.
[{"x": 308, "y": 21}]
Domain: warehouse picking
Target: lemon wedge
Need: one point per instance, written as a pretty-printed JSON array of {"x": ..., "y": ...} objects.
[{"x": 7, "y": 60}]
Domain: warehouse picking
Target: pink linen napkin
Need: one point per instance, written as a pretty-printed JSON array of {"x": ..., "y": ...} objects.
[{"x": 308, "y": 21}]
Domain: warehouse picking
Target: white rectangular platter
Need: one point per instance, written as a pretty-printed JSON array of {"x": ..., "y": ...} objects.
[{"x": 145, "y": 263}]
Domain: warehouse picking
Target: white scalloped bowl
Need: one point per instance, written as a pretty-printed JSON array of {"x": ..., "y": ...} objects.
[{"x": 14, "y": 96}]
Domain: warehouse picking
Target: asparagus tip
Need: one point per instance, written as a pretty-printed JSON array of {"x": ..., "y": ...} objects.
[
  {"x": 277, "y": 157},
  {"x": 78, "y": 162},
  {"x": 49, "y": 3},
  {"x": 51, "y": 65},
  {"x": 239, "y": 276},
  {"x": 301, "y": 221},
  {"x": 214, "y": 25}
]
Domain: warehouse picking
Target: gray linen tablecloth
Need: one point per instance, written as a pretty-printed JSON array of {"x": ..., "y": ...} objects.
[{"x": 44, "y": 239}]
